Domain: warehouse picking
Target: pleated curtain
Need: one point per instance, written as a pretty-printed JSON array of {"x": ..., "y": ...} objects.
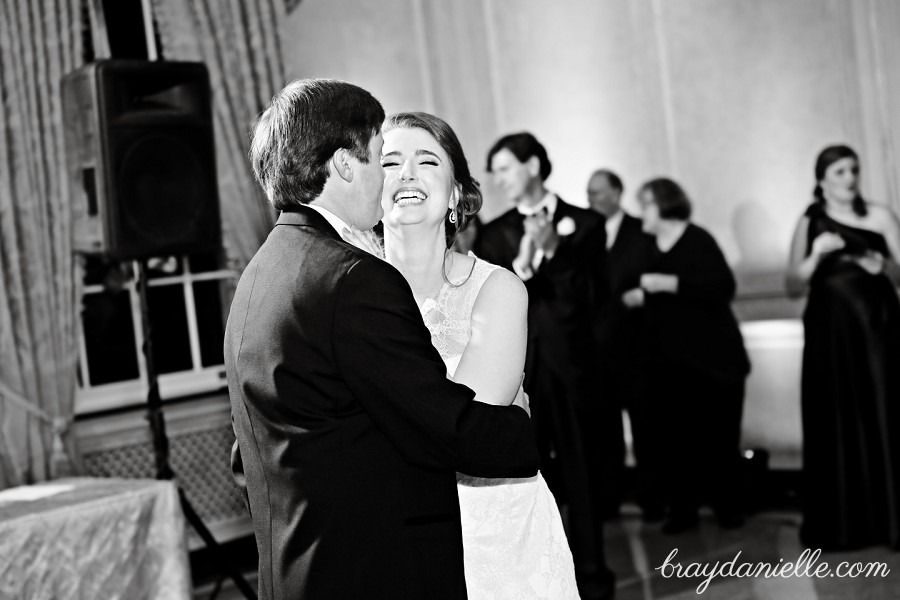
[
  {"x": 40, "y": 41},
  {"x": 239, "y": 40}
]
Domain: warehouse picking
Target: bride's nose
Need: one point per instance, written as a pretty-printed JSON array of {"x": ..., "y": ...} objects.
[{"x": 407, "y": 171}]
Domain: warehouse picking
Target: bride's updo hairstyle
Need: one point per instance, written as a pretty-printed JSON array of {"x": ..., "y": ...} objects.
[
  {"x": 469, "y": 191},
  {"x": 828, "y": 157}
]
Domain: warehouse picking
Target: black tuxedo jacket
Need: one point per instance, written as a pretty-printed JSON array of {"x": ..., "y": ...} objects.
[
  {"x": 349, "y": 434},
  {"x": 618, "y": 327},
  {"x": 565, "y": 292}
]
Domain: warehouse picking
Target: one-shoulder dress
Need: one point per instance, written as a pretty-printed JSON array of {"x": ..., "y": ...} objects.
[{"x": 850, "y": 396}]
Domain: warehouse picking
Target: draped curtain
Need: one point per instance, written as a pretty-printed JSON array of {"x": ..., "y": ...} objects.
[
  {"x": 240, "y": 43},
  {"x": 40, "y": 41}
]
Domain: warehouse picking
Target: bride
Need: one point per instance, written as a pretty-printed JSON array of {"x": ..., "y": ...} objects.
[{"x": 513, "y": 539}]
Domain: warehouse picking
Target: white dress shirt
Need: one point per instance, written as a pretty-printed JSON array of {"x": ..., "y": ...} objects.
[
  {"x": 612, "y": 228},
  {"x": 333, "y": 220}
]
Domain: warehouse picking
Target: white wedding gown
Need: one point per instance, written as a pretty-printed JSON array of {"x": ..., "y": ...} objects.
[{"x": 513, "y": 538}]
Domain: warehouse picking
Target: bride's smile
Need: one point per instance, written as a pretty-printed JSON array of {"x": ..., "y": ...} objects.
[{"x": 409, "y": 196}]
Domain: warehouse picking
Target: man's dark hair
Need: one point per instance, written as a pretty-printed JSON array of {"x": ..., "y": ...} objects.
[
  {"x": 670, "y": 199},
  {"x": 615, "y": 182},
  {"x": 305, "y": 124},
  {"x": 523, "y": 146}
]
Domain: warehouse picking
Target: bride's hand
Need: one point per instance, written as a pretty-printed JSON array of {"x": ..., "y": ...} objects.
[
  {"x": 364, "y": 240},
  {"x": 522, "y": 399}
]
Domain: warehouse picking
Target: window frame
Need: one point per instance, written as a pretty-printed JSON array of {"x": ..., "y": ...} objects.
[{"x": 133, "y": 392}]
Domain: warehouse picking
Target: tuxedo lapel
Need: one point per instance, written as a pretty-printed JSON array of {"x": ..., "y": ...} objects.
[
  {"x": 514, "y": 229},
  {"x": 627, "y": 230}
]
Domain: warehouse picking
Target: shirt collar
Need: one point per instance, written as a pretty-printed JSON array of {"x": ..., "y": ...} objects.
[
  {"x": 614, "y": 221},
  {"x": 333, "y": 220},
  {"x": 548, "y": 203},
  {"x": 613, "y": 224}
]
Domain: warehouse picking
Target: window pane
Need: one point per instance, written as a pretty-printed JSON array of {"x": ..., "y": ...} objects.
[
  {"x": 168, "y": 323},
  {"x": 109, "y": 338},
  {"x": 201, "y": 263},
  {"x": 208, "y": 302}
]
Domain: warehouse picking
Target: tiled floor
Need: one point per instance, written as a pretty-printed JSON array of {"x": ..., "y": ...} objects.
[{"x": 634, "y": 550}]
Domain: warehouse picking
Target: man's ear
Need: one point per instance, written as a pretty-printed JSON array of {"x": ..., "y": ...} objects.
[
  {"x": 533, "y": 164},
  {"x": 340, "y": 163}
]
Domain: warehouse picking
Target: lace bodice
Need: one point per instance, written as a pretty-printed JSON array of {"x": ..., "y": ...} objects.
[{"x": 449, "y": 316}]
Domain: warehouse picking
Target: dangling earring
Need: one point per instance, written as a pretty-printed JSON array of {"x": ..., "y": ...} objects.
[{"x": 452, "y": 216}]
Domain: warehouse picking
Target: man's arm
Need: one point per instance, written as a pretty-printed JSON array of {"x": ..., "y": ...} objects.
[{"x": 384, "y": 353}]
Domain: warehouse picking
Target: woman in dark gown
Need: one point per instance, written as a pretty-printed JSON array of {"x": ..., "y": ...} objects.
[
  {"x": 695, "y": 361},
  {"x": 844, "y": 251}
]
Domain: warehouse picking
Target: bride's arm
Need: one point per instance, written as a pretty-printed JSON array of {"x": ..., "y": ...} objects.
[{"x": 494, "y": 358}]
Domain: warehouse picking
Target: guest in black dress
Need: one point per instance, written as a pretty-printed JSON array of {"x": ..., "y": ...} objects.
[
  {"x": 695, "y": 361},
  {"x": 845, "y": 253}
]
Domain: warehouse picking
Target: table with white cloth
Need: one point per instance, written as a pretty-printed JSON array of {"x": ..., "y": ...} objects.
[{"x": 93, "y": 539}]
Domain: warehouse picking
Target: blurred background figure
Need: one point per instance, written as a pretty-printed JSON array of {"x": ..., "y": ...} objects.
[
  {"x": 559, "y": 251},
  {"x": 845, "y": 252},
  {"x": 619, "y": 375},
  {"x": 465, "y": 238},
  {"x": 695, "y": 362}
]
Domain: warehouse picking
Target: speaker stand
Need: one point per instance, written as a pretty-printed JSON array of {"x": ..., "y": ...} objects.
[{"x": 161, "y": 447}]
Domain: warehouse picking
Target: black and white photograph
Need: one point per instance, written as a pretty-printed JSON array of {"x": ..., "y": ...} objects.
[{"x": 449, "y": 299}]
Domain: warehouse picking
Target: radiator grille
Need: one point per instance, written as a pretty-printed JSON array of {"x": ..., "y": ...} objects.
[{"x": 200, "y": 460}]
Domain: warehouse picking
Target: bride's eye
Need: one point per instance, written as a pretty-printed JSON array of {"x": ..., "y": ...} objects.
[
  {"x": 430, "y": 162},
  {"x": 389, "y": 163}
]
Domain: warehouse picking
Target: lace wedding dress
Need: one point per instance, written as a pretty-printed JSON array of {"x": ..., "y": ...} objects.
[{"x": 513, "y": 538}]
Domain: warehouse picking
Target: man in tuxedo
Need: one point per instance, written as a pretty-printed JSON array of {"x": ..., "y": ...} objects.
[
  {"x": 559, "y": 251},
  {"x": 349, "y": 434},
  {"x": 618, "y": 360}
]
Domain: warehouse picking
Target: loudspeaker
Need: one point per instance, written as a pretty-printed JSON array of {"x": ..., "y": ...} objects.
[{"x": 141, "y": 158}]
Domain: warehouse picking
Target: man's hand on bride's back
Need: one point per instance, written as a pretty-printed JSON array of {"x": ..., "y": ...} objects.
[{"x": 364, "y": 240}]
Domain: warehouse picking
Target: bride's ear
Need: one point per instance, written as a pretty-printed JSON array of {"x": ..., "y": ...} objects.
[{"x": 340, "y": 164}]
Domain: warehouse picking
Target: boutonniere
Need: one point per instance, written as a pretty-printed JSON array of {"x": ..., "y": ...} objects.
[{"x": 566, "y": 226}]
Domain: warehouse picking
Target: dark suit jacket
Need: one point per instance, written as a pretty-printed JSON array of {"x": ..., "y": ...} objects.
[
  {"x": 566, "y": 290},
  {"x": 695, "y": 327},
  {"x": 618, "y": 327},
  {"x": 349, "y": 434}
]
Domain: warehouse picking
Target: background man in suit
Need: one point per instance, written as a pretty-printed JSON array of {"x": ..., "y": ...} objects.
[
  {"x": 349, "y": 434},
  {"x": 618, "y": 329},
  {"x": 559, "y": 251}
]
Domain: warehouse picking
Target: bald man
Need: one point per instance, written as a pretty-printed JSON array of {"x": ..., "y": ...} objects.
[{"x": 617, "y": 327}]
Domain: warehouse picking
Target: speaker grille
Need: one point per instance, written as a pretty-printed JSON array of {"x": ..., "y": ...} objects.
[{"x": 164, "y": 190}]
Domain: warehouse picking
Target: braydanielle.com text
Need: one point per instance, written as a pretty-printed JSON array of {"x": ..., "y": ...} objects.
[{"x": 804, "y": 567}]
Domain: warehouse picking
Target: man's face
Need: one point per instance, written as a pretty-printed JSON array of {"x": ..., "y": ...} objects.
[
  {"x": 602, "y": 197},
  {"x": 369, "y": 180},
  {"x": 510, "y": 175}
]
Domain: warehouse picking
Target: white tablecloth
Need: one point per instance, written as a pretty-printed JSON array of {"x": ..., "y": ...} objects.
[{"x": 93, "y": 539}]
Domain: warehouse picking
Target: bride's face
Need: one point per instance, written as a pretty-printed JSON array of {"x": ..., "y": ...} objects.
[{"x": 418, "y": 178}]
